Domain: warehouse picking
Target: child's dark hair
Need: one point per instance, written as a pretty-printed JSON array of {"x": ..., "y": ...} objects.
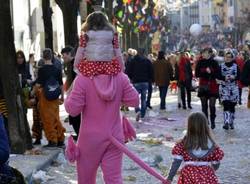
[
  {"x": 198, "y": 132},
  {"x": 47, "y": 54},
  {"x": 97, "y": 21}
]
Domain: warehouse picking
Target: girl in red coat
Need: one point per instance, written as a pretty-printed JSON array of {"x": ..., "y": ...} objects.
[{"x": 199, "y": 152}]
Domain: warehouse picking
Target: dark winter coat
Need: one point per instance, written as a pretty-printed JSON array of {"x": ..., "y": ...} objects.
[
  {"x": 208, "y": 79},
  {"x": 25, "y": 73},
  {"x": 140, "y": 69},
  {"x": 245, "y": 76},
  {"x": 163, "y": 72}
]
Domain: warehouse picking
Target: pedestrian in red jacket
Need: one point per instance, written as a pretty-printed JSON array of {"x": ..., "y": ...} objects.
[{"x": 240, "y": 62}]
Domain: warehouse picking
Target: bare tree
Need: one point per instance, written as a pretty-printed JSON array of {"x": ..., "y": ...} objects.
[
  {"x": 18, "y": 127},
  {"x": 47, "y": 21},
  {"x": 70, "y": 10}
]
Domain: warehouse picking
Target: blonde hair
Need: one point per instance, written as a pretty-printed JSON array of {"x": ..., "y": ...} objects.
[
  {"x": 198, "y": 132},
  {"x": 97, "y": 21}
]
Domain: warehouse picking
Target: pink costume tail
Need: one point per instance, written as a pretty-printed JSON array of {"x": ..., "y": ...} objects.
[
  {"x": 72, "y": 151},
  {"x": 128, "y": 130},
  {"x": 136, "y": 159}
]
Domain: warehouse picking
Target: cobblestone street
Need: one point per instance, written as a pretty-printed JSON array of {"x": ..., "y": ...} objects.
[{"x": 153, "y": 147}]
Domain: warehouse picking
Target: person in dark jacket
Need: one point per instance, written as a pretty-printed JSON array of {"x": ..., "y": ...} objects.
[
  {"x": 8, "y": 175},
  {"x": 4, "y": 152},
  {"x": 150, "y": 85},
  {"x": 207, "y": 71},
  {"x": 140, "y": 71},
  {"x": 163, "y": 73},
  {"x": 245, "y": 76},
  {"x": 68, "y": 58},
  {"x": 128, "y": 59},
  {"x": 23, "y": 71},
  {"x": 185, "y": 80}
]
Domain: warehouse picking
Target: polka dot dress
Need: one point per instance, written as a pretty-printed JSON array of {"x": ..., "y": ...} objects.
[
  {"x": 191, "y": 174},
  {"x": 93, "y": 68}
]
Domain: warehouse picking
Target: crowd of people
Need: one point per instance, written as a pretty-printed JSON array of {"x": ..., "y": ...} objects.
[
  {"x": 100, "y": 79},
  {"x": 220, "y": 75}
]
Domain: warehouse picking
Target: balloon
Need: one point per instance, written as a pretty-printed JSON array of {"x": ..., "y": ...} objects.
[{"x": 195, "y": 30}]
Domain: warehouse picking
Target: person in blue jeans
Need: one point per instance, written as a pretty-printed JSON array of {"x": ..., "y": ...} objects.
[
  {"x": 142, "y": 89},
  {"x": 140, "y": 72}
]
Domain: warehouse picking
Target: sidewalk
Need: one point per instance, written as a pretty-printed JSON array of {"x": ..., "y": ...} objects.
[
  {"x": 40, "y": 158},
  {"x": 30, "y": 163},
  {"x": 156, "y": 135}
]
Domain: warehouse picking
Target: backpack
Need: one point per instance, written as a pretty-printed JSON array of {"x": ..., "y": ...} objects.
[{"x": 52, "y": 89}]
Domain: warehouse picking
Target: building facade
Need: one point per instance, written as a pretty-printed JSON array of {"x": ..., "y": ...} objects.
[
  {"x": 27, "y": 21},
  {"x": 189, "y": 14}
]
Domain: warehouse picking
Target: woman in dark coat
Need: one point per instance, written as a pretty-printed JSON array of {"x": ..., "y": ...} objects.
[
  {"x": 207, "y": 71},
  {"x": 23, "y": 70}
]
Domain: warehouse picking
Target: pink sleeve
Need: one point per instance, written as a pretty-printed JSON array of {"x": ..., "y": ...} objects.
[
  {"x": 75, "y": 102},
  {"x": 117, "y": 51},
  {"x": 130, "y": 96}
]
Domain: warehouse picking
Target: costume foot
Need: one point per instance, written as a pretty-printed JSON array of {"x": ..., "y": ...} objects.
[
  {"x": 226, "y": 127},
  {"x": 37, "y": 142}
]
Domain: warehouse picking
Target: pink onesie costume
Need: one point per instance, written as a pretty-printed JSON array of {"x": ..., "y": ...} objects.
[{"x": 99, "y": 98}]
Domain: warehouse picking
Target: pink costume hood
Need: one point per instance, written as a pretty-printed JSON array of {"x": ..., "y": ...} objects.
[{"x": 105, "y": 87}]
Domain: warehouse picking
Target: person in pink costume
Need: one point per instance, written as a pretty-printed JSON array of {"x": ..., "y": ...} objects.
[{"x": 98, "y": 92}]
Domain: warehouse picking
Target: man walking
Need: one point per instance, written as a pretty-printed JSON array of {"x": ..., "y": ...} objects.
[
  {"x": 140, "y": 71},
  {"x": 68, "y": 58},
  {"x": 163, "y": 73}
]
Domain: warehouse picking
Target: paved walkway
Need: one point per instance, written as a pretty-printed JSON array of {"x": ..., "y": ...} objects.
[{"x": 152, "y": 146}]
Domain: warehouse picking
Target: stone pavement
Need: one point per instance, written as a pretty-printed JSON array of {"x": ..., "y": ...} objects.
[
  {"x": 154, "y": 148},
  {"x": 29, "y": 164}
]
